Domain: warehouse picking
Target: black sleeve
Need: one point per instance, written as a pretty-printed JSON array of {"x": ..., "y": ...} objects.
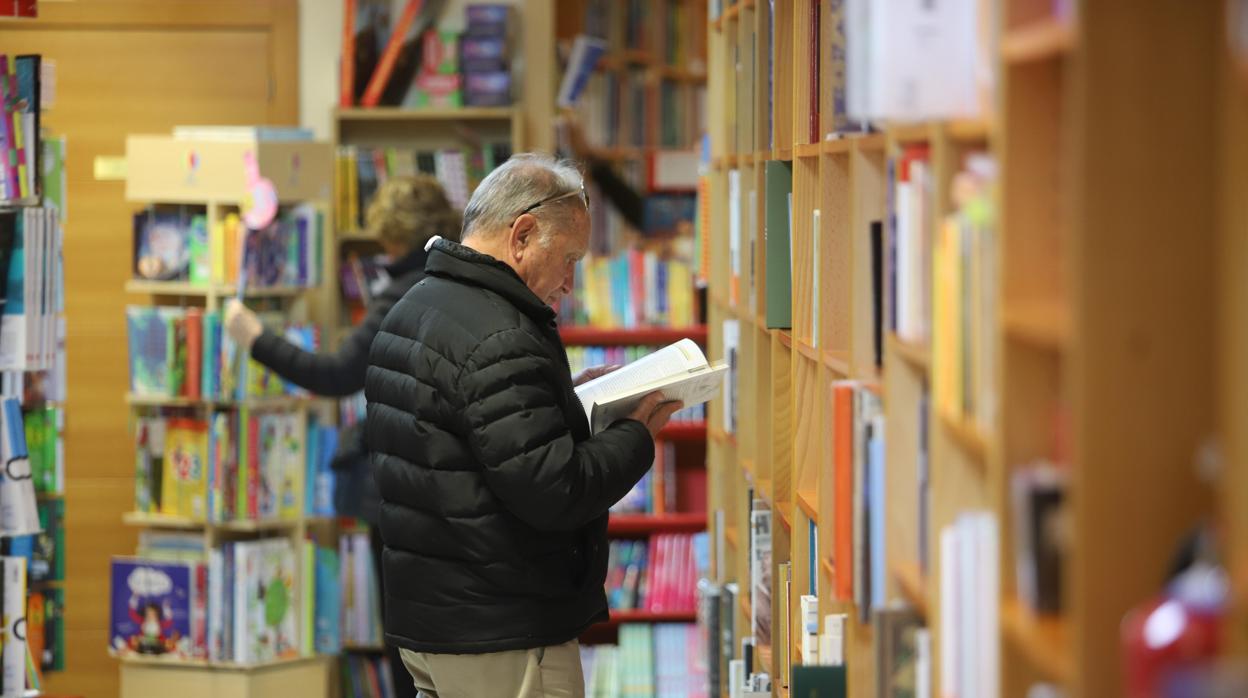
[
  {"x": 621, "y": 194},
  {"x": 518, "y": 433},
  {"x": 331, "y": 374}
]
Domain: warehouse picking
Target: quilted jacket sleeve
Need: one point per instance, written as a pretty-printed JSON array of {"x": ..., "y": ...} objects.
[{"x": 517, "y": 431}]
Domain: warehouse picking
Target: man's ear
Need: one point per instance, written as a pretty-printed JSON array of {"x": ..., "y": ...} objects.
[{"x": 522, "y": 235}]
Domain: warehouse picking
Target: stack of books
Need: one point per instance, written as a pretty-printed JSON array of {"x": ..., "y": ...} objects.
[
  {"x": 666, "y": 660},
  {"x": 184, "y": 353},
  {"x": 655, "y": 493},
  {"x": 632, "y": 289},
  {"x": 32, "y": 281},
  {"x": 175, "y": 243},
  {"x": 361, "y": 602},
  {"x": 20, "y": 110},
  {"x": 361, "y": 171},
  {"x": 235, "y": 466},
  {"x": 367, "y": 677},
  {"x": 964, "y": 297},
  {"x": 657, "y": 576},
  {"x": 236, "y": 603}
]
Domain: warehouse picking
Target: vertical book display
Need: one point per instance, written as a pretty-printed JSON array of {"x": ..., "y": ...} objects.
[
  {"x": 235, "y": 580},
  {"x": 932, "y": 266},
  {"x": 32, "y": 382}
]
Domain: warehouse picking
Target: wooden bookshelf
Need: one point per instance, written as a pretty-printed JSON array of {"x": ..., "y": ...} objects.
[
  {"x": 1100, "y": 322},
  {"x": 425, "y": 114}
]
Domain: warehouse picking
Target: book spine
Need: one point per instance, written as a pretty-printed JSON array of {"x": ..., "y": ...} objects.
[
  {"x": 194, "y": 352},
  {"x": 346, "y": 68},
  {"x": 377, "y": 85}
]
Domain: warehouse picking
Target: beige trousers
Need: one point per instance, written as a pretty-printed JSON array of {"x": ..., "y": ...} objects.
[{"x": 546, "y": 672}]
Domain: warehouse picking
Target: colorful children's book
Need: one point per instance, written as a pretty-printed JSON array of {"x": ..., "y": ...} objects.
[
  {"x": 151, "y": 608},
  {"x": 48, "y": 562},
  {"x": 185, "y": 478}
]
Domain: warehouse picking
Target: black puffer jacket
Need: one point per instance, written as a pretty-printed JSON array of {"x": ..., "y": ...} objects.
[{"x": 494, "y": 496}]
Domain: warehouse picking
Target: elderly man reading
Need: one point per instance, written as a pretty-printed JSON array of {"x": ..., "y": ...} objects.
[{"x": 494, "y": 493}]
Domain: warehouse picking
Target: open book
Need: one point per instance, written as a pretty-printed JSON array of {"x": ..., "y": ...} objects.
[{"x": 680, "y": 370}]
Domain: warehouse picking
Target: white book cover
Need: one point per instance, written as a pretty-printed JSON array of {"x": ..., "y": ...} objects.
[
  {"x": 905, "y": 255},
  {"x": 14, "y": 659},
  {"x": 969, "y": 603},
  {"x": 987, "y": 558},
  {"x": 949, "y": 593},
  {"x": 216, "y": 604},
  {"x": 732, "y": 343},
  {"x": 679, "y": 370},
  {"x": 923, "y": 663}
]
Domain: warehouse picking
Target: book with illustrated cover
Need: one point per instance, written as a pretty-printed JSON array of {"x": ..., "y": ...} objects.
[
  {"x": 184, "y": 481},
  {"x": 48, "y": 561},
  {"x": 679, "y": 370},
  {"x": 151, "y": 608},
  {"x": 897, "y": 631},
  {"x": 264, "y": 601}
]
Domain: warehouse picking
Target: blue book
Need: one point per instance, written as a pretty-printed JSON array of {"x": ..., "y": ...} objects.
[
  {"x": 328, "y": 632},
  {"x": 875, "y": 512}
]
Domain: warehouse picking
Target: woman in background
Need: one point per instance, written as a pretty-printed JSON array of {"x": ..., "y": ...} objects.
[{"x": 403, "y": 215}]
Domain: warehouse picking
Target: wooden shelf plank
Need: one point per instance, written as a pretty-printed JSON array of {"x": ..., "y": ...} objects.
[
  {"x": 135, "y": 518},
  {"x": 581, "y": 336},
  {"x": 806, "y": 350},
  {"x": 150, "y": 660},
  {"x": 723, "y": 437},
  {"x": 917, "y": 355},
  {"x": 747, "y": 464},
  {"x": 427, "y": 114},
  {"x": 783, "y": 154},
  {"x": 910, "y": 133},
  {"x": 806, "y": 501},
  {"x": 969, "y": 130},
  {"x": 807, "y": 150},
  {"x": 1043, "y": 641},
  {"x": 784, "y": 512},
  {"x": 829, "y": 570},
  {"x": 785, "y": 337},
  {"x": 186, "y": 289},
  {"x": 645, "y": 524},
  {"x": 838, "y": 362},
  {"x": 257, "y": 403},
  {"x": 912, "y": 584},
  {"x": 1042, "y": 40},
  {"x": 1042, "y": 324},
  {"x": 968, "y": 436},
  {"x": 731, "y": 536}
]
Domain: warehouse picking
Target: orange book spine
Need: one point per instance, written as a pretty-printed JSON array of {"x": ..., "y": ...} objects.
[
  {"x": 843, "y": 492},
  {"x": 346, "y": 66},
  {"x": 377, "y": 84}
]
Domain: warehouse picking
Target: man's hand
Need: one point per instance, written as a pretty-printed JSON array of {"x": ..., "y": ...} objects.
[
  {"x": 593, "y": 372},
  {"x": 242, "y": 324},
  {"x": 654, "y": 411}
]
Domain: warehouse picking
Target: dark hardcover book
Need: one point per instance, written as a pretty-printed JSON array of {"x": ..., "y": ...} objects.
[
  {"x": 407, "y": 62},
  {"x": 372, "y": 30},
  {"x": 877, "y": 290},
  {"x": 367, "y": 177},
  {"x": 29, "y": 94},
  {"x": 816, "y": 9},
  {"x": 819, "y": 682},
  {"x": 1045, "y": 507}
]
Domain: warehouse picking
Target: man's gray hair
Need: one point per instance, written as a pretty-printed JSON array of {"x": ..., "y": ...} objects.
[{"x": 517, "y": 184}]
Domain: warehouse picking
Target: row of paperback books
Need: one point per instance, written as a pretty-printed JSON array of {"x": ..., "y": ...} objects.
[
  {"x": 678, "y": 36},
  {"x": 244, "y": 465},
  {"x": 392, "y": 58},
  {"x": 361, "y": 600},
  {"x": 658, "y": 575},
  {"x": 365, "y": 676},
  {"x": 361, "y": 171},
  {"x": 32, "y": 276},
  {"x": 21, "y": 105},
  {"x": 243, "y": 602},
  {"x": 185, "y": 353},
  {"x": 655, "y": 493},
  {"x": 964, "y": 309},
  {"x": 629, "y": 110},
  {"x": 665, "y": 660},
  {"x": 176, "y": 243},
  {"x": 635, "y": 288}
]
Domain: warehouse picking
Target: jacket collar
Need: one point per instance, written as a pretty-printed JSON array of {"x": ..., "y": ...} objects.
[
  {"x": 452, "y": 260},
  {"x": 408, "y": 263}
]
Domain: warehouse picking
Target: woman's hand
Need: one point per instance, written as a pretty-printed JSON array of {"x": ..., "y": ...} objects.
[
  {"x": 242, "y": 324},
  {"x": 593, "y": 372}
]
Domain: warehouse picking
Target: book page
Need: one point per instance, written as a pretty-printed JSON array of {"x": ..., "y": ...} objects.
[
  {"x": 675, "y": 359},
  {"x": 693, "y": 389}
]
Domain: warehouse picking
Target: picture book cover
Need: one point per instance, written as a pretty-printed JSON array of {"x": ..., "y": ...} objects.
[
  {"x": 184, "y": 481},
  {"x": 149, "y": 450},
  {"x": 152, "y": 353},
  {"x": 268, "y": 601},
  {"x": 150, "y": 608},
  {"x": 288, "y": 466},
  {"x": 162, "y": 243}
]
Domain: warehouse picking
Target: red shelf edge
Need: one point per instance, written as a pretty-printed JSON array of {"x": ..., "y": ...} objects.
[{"x": 579, "y": 336}]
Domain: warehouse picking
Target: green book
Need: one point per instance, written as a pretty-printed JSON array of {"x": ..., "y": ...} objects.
[
  {"x": 818, "y": 681},
  {"x": 777, "y": 236}
]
